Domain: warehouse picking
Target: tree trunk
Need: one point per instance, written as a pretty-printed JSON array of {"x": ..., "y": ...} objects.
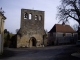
[{"x": 79, "y": 32}]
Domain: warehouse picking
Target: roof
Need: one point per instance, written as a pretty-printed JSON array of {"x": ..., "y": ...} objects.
[{"x": 62, "y": 28}]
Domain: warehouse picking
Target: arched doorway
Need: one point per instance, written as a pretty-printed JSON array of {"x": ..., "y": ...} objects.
[{"x": 32, "y": 42}]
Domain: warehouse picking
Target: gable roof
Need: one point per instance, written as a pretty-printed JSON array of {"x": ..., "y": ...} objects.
[{"x": 62, "y": 28}]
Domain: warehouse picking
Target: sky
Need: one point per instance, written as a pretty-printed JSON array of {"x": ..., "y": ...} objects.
[{"x": 13, "y": 8}]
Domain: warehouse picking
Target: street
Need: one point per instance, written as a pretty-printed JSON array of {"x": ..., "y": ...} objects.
[{"x": 45, "y": 53}]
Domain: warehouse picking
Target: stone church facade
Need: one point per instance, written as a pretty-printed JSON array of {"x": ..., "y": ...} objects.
[{"x": 31, "y": 29}]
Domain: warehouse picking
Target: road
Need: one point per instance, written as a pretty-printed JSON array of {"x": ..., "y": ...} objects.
[{"x": 46, "y": 53}]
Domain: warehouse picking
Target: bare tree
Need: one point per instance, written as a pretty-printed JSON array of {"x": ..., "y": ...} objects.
[{"x": 69, "y": 9}]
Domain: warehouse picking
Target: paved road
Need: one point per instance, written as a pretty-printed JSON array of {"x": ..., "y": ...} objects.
[{"x": 46, "y": 53}]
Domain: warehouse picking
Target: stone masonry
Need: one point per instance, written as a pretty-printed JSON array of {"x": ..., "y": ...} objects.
[{"x": 31, "y": 29}]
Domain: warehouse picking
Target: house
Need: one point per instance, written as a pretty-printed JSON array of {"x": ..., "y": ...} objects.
[
  {"x": 62, "y": 34},
  {"x": 2, "y": 18}
]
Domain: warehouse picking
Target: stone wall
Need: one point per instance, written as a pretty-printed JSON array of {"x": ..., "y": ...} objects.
[
  {"x": 58, "y": 38},
  {"x": 51, "y": 38},
  {"x": 32, "y": 25},
  {"x": 69, "y": 38}
]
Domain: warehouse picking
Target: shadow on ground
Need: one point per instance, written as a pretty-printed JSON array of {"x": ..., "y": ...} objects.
[
  {"x": 67, "y": 55},
  {"x": 7, "y": 54}
]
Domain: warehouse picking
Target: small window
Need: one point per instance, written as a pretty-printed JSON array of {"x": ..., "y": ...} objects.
[
  {"x": 36, "y": 17},
  {"x": 30, "y": 16},
  {"x": 40, "y": 17},
  {"x": 25, "y": 15}
]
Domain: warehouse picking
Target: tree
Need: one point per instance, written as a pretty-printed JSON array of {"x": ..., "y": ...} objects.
[
  {"x": 69, "y": 9},
  {"x": 17, "y": 30},
  {"x": 5, "y": 31},
  {"x": 8, "y": 36}
]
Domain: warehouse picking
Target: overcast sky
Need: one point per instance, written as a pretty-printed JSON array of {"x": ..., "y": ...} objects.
[{"x": 13, "y": 8}]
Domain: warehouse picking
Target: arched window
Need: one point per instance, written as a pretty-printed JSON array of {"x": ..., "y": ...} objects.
[
  {"x": 25, "y": 15},
  {"x": 36, "y": 17},
  {"x": 30, "y": 16},
  {"x": 40, "y": 17}
]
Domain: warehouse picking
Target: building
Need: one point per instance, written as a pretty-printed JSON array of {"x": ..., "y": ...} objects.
[
  {"x": 31, "y": 29},
  {"x": 62, "y": 34},
  {"x": 2, "y": 18}
]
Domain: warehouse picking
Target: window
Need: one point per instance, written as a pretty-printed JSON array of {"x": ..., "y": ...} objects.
[
  {"x": 40, "y": 17},
  {"x": 30, "y": 16},
  {"x": 25, "y": 15},
  {"x": 36, "y": 17}
]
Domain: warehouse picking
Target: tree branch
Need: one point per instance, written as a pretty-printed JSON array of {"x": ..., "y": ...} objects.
[{"x": 73, "y": 17}]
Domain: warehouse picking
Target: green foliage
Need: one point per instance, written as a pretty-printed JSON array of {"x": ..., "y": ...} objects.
[
  {"x": 7, "y": 39},
  {"x": 6, "y": 36}
]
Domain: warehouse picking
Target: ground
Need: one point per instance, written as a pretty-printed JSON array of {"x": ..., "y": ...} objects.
[{"x": 47, "y": 53}]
